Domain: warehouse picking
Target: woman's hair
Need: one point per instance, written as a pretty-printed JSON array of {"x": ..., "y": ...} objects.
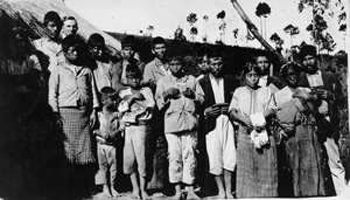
[
  {"x": 250, "y": 66},
  {"x": 290, "y": 65},
  {"x": 72, "y": 41}
]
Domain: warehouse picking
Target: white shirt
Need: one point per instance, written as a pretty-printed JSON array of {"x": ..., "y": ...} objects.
[
  {"x": 218, "y": 88},
  {"x": 315, "y": 80}
]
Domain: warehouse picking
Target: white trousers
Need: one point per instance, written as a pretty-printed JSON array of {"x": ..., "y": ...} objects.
[{"x": 221, "y": 148}]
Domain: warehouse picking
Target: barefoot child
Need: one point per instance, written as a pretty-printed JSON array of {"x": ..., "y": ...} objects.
[
  {"x": 106, "y": 136},
  {"x": 136, "y": 108},
  {"x": 178, "y": 95}
]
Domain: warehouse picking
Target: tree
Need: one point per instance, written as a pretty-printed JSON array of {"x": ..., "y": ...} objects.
[
  {"x": 149, "y": 30},
  {"x": 222, "y": 25},
  {"x": 205, "y": 36},
  {"x": 178, "y": 35},
  {"x": 291, "y": 30},
  {"x": 262, "y": 11},
  {"x": 322, "y": 9},
  {"x": 277, "y": 40},
  {"x": 192, "y": 19}
]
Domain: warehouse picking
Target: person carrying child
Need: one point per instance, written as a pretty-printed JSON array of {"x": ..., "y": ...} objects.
[
  {"x": 179, "y": 95},
  {"x": 136, "y": 107},
  {"x": 107, "y": 136}
]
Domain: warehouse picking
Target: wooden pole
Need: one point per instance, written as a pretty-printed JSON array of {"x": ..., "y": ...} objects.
[{"x": 255, "y": 31}]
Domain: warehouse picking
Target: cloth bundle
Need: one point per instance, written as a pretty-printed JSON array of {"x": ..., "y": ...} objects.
[{"x": 259, "y": 137}]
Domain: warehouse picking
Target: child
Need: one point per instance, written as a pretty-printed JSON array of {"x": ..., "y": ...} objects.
[
  {"x": 49, "y": 44},
  {"x": 136, "y": 108},
  {"x": 256, "y": 150},
  {"x": 106, "y": 137},
  {"x": 179, "y": 95}
]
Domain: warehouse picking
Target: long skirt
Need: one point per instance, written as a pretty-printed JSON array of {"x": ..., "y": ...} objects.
[
  {"x": 256, "y": 168},
  {"x": 78, "y": 138},
  {"x": 304, "y": 155}
]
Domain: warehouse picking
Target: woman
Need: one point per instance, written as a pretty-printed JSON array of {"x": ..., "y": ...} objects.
[
  {"x": 256, "y": 150},
  {"x": 298, "y": 125}
]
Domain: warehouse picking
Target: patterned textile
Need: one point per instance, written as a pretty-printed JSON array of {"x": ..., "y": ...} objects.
[
  {"x": 256, "y": 168},
  {"x": 76, "y": 128}
]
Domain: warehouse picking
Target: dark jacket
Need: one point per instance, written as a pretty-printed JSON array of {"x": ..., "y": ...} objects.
[
  {"x": 331, "y": 84},
  {"x": 230, "y": 84}
]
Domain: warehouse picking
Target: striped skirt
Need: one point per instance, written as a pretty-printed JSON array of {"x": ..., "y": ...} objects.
[
  {"x": 256, "y": 169},
  {"x": 78, "y": 139}
]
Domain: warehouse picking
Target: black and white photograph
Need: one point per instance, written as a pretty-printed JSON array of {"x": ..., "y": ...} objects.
[{"x": 174, "y": 99}]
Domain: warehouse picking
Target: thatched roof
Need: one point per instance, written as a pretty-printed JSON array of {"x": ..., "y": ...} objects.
[{"x": 32, "y": 13}]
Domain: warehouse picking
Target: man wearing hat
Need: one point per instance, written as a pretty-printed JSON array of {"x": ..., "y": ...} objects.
[{"x": 328, "y": 90}]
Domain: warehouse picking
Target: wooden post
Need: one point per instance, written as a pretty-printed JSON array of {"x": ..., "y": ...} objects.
[
  {"x": 252, "y": 28},
  {"x": 347, "y": 40}
]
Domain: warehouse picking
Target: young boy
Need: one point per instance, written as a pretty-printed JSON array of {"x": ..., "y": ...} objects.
[
  {"x": 178, "y": 95},
  {"x": 136, "y": 108},
  {"x": 49, "y": 44},
  {"x": 106, "y": 137}
]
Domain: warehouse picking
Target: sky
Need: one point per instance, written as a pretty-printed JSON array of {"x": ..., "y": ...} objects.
[{"x": 132, "y": 16}]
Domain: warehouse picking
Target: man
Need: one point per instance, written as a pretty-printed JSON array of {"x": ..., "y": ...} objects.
[
  {"x": 328, "y": 90},
  {"x": 266, "y": 80},
  {"x": 218, "y": 130},
  {"x": 129, "y": 55},
  {"x": 49, "y": 44},
  {"x": 155, "y": 70},
  {"x": 158, "y": 67},
  {"x": 69, "y": 27}
]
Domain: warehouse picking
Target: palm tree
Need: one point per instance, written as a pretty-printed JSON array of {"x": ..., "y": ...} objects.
[
  {"x": 291, "y": 30},
  {"x": 262, "y": 11},
  {"x": 150, "y": 30},
  {"x": 222, "y": 25},
  {"x": 192, "y": 19},
  {"x": 205, "y": 36},
  {"x": 277, "y": 40}
]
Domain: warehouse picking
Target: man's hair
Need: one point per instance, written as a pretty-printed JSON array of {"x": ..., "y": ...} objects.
[
  {"x": 174, "y": 57},
  {"x": 215, "y": 53},
  {"x": 66, "y": 18},
  {"x": 307, "y": 50},
  {"x": 96, "y": 39},
  {"x": 107, "y": 93},
  {"x": 128, "y": 41},
  {"x": 158, "y": 40},
  {"x": 132, "y": 70},
  {"x": 261, "y": 55},
  {"x": 52, "y": 16},
  {"x": 72, "y": 41}
]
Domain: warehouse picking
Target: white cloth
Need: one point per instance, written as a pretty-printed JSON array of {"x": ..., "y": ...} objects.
[
  {"x": 263, "y": 81},
  {"x": 315, "y": 80},
  {"x": 218, "y": 88},
  {"x": 258, "y": 138},
  {"x": 221, "y": 148}
]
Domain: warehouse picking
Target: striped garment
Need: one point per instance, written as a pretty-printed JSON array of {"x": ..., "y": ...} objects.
[{"x": 78, "y": 138}]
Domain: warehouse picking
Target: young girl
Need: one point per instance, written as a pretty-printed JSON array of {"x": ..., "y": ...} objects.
[{"x": 256, "y": 150}]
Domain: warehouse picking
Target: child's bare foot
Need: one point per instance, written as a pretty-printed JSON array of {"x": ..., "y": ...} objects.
[
  {"x": 177, "y": 196},
  {"x": 192, "y": 196},
  {"x": 144, "y": 195},
  {"x": 135, "y": 195},
  {"x": 229, "y": 195},
  {"x": 106, "y": 191},
  {"x": 221, "y": 195},
  {"x": 115, "y": 193}
]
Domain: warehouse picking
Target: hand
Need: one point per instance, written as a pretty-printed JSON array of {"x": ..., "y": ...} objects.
[
  {"x": 93, "y": 119},
  {"x": 212, "y": 111},
  {"x": 189, "y": 93},
  {"x": 224, "y": 109},
  {"x": 138, "y": 96},
  {"x": 171, "y": 93}
]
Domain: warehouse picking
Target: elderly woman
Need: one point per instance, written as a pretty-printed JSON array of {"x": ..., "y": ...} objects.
[{"x": 298, "y": 127}]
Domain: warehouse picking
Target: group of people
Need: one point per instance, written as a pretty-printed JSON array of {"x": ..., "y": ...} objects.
[{"x": 244, "y": 132}]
